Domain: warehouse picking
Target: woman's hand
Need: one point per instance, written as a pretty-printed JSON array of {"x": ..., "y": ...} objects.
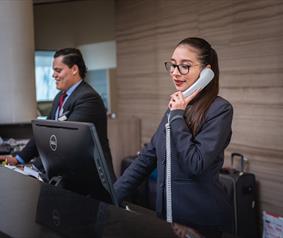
[
  {"x": 8, "y": 159},
  {"x": 185, "y": 232},
  {"x": 178, "y": 101}
]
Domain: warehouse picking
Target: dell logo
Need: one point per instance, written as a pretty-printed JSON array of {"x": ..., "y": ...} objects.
[
  {"x": 53, "y": 142},
  {"x": 56, "y": 218}
]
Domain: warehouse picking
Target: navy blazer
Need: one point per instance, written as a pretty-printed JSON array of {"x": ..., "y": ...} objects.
[
  {"x": 198, "y": 197},
  {"x": 84, "y": 105}
]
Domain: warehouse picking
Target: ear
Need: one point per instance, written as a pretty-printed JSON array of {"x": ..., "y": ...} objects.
[{"x": 75, "y": 69}]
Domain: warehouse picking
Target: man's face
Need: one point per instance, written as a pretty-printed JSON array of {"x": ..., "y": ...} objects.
[{"x": 65, "y": 77}]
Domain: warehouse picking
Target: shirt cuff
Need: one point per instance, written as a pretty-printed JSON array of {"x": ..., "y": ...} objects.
[{"x": 19, "y": 159}]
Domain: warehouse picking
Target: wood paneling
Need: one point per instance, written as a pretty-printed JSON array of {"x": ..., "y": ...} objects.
[
  {"x": 124, "y": 139},
  {"x": 248, "y": 37}
]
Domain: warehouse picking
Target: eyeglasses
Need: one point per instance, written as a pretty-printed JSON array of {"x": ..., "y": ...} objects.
[{"x": 182, "y": 68}]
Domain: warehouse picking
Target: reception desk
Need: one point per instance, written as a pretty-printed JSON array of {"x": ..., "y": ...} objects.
[{"x": 30, "y": 208}]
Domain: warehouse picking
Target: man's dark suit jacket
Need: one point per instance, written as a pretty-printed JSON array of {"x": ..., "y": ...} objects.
[{"x": 84, "y": 105}]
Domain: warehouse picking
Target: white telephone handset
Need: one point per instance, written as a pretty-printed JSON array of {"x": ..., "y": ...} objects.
[{"x": 205, "y": 77}]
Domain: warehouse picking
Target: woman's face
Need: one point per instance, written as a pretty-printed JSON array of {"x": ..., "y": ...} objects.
[{"x": 187, "y": 56}]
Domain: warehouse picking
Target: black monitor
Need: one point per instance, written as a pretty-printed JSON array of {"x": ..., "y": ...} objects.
[{"x": 72, "y": 151}]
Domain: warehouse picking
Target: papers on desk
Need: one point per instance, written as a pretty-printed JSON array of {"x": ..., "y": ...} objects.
[
  {"x": 272, "y": 225},
  {"x": 26, "y": 171}
]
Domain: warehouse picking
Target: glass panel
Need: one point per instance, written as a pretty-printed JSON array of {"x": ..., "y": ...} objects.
[
  {"x": 45, "y": 84},
  {"x": 98, "y": 79}
]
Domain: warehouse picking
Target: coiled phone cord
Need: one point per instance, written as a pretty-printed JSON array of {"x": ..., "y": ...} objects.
[{"x": 168, "y": 173}]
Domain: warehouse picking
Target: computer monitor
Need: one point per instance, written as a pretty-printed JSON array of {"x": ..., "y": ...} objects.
[{"x": 72, "y": 151}]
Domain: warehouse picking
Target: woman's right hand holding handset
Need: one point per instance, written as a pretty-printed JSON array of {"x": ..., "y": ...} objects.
[{"x": 178, "y": 101}]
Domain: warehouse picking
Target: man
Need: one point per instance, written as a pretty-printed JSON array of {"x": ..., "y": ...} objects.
[{"x": 76, "y": 101}]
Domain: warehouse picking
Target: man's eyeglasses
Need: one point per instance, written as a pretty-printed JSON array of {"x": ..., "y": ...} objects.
[{"x": 183, "y": 68}]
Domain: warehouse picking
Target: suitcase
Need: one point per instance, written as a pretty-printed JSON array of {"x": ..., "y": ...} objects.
[{"x": 241, "y": 187}]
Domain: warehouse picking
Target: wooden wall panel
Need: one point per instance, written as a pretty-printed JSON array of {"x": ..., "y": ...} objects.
[
  {"x": 248, "y": 37},
  {"x": 124, "y": 139}
]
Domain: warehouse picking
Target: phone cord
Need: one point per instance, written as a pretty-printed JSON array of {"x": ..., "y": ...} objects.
[{"x": 168, "y": 174}]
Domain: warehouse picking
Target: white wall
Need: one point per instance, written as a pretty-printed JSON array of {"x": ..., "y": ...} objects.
[{"x": 99, "y": 55}]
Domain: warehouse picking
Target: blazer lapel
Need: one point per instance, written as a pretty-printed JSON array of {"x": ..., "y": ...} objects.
[
  {"x": 69, "y": 102},
  {"x": 54, "y": 106}
]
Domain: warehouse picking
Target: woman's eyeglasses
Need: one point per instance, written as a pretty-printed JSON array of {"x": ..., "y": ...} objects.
[{"x": 182, "y": 68}]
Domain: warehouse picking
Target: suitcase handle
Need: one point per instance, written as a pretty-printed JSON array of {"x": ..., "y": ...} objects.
[{"x": 240, "y": 157}]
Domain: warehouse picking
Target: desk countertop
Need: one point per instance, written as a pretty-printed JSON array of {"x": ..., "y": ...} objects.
[{"x": 29, "y": 208}]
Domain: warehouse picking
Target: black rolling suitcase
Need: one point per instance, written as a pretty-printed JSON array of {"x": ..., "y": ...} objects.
[{"x": 241, "y": 187}]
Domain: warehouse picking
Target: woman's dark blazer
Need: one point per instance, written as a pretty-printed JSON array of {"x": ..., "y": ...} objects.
[{"x": 197, "y": 195}]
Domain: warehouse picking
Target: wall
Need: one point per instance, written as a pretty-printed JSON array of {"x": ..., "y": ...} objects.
[
  {"x": 100, "y": 55},
  {"x": 248, "y": 37},
  {"x": 85, "y": 24},
  {"x": 17, "y": 81},
  {"x": 70, "y": 24}
]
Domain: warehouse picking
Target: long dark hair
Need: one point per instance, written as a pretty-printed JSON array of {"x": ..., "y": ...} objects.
[
  {"x": 73, "y": 56},
  {"x": 195, "y": 111}
]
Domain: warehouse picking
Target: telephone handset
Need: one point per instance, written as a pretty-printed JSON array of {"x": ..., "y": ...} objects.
[{"x": 205, "y": 77}]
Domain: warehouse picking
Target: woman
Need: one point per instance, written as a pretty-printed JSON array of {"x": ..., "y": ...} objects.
[{"x": 198, "y": 130}]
